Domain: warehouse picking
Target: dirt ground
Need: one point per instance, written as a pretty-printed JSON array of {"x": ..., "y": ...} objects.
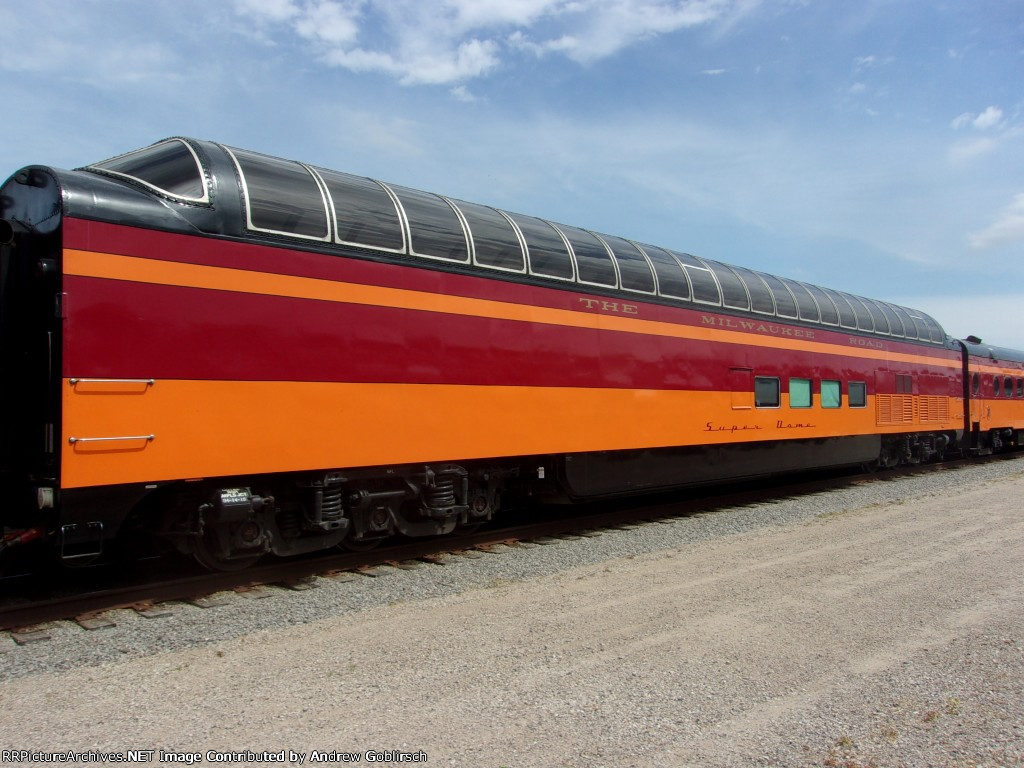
[{"x": 880, "y": 636}]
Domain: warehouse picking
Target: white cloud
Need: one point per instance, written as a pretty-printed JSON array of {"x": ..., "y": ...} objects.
[
  {"x": 451, "y": 41},
  {"x": 990, "y": 122},
  {"x": 269, "y": 10},
  {"x": 713, "y": 72},
  {"x": 461, "y": 93},
  {"x": 429, "y": 66},
  {"x": 329, "y": 22},
  {"x": 870, "y": 62},
  {"x": 600, "y": 28},
  {"x": 963, "y": 151},
  {"x": 1007, "y": 229},
  {"x": 476, "y": 14},
  {"x": 962, "y": 121},
  {"x": 992, "y": 117}
]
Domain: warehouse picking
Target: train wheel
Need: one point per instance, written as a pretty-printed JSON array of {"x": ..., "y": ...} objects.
[
  {"x": 359, "y": 545},
  {"x": 208, "y": 554},
  {"x": 889, "y": 457}
]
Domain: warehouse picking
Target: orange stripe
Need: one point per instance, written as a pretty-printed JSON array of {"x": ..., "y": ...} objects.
[
  {"x": 1011, "y": 372},
  {"x": 215, "y": 428},
  {"x": 116, "y": 267}
]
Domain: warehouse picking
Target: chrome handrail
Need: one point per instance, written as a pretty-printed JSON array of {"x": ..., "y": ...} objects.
[
  {"x": 74, "y": 440},
  {"x": 147, "y": 382}
]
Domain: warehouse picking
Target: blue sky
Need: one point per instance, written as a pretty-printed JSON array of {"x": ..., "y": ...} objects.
[{"x": 875, "y": 147}]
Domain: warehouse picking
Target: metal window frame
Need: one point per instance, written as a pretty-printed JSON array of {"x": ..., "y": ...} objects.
[
  {"x": 657, "y": 280},
  {"x": 408, "y": 227},
  {"x": 821, "y": 393},
  {"x": 526, "y": 248},
  {"x": 849, "y": 394},
  {"x": 778, "y": 392},
  {"x": 472, "y": 241},
  {"x": 247, "y": 199},
  {"x": 334, "y": 213},
  {"x": 810, "y": 392},
  {"x": 796, "y": 304},
  {"x": 575, "y": 263},
  {"x": 618, "y": 267},
  {"x": 205, "y": 199}
]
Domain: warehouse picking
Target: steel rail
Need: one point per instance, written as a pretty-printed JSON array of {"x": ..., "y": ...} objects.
[{"x": 22, "y": 616}]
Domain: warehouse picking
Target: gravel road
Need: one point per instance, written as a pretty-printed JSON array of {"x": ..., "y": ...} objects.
[{"x": 877, "y": 625}]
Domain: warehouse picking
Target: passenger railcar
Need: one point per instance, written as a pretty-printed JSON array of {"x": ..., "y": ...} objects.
[
  {"x": 994, "y": 396},
  {"x": 243, "y": 354}
]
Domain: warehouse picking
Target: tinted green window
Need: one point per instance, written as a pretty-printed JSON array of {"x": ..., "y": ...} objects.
[
  {"x": 858, "y": 394},
  {"x": 766, "y": 392},
  {"x": 831, "y": 394},
  {"x": 799, "y": 393}
]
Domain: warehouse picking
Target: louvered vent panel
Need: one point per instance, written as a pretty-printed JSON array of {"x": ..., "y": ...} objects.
[
  {"x": 934, "y": 409},
  {"x": 894, "y": 409},
  {"x": 883, "y": 409}
]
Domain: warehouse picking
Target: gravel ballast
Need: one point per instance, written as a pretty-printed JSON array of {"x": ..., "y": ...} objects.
[{"x": 875, "y": 625}]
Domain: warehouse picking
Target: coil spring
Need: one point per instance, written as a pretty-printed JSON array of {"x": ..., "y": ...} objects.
[
  {"x": 331, "y": 507},
  {"x": 442, "y": 494}
]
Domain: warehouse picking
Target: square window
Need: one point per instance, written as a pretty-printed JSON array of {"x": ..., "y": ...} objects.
[
  {"x": 800, "y": 393},
  {"x": 858, "y": 394},
  {"x": 831, "y": 394},
  {"x": 766, "y": 392}
]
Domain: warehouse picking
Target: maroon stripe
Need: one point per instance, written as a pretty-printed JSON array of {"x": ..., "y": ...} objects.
[
  {"x": 122, "y": 329},
  {"x": 232, "y": 254}
]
